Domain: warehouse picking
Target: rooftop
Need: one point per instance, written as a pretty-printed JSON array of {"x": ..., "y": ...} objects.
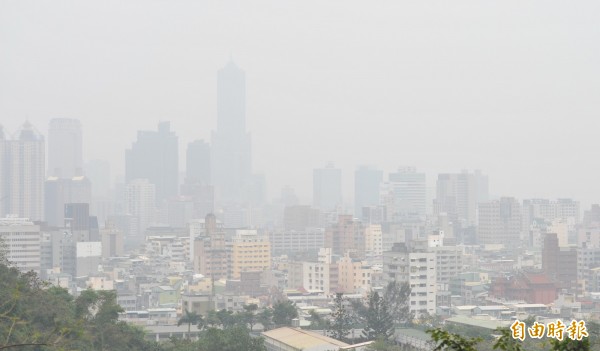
[{"x": 303, "y": 339}]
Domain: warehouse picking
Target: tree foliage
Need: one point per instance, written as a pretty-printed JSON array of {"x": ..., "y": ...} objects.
[
  {"x": 452, "y": 342},
  {"x": 36, "y": 316},
  {"x": 397, "y": 297},
  {"x": 379, "y": 322},
  {"x": 283, "y": 313},
  {"x": 341, "y": 323}
]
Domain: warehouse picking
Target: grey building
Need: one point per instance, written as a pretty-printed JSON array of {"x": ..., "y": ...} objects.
[
  {"x": 231, "y": 162},
  {"x": 155, "y": 156},
  {"x": 65, "y": 158},
  {"x": 367, "y": 185},
  {"x": 22, "y": 174},
  {"x": 327, "y": 188}
]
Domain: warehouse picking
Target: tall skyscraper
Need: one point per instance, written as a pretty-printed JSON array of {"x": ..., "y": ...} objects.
[
  {"x": 65, "y": 158},
  {"x": 407, "y": 191},
  {"x": 22, "y": 173},
  {"x": 458, "y": 195},
  {"x": 367, "y": 185},
  {"x": 197, "y": 167},
  {"x": 231, "y": 163},
  {"x": 155, "y": 156},
  {"x": 327, "y": 188}
]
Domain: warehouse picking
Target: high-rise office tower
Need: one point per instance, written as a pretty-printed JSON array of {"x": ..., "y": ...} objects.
[
  {"x": 327, "y": 188},
  {"x": 231, "y": 162},
  {"x": 458, "y": 195},
  {"x": 22, "y": 173},
  {"x": 155, "y": 156},
  {"x": 367, "y": 184},
  {"x": 197, "y": 184},
  {"x": 140, "y": 203},
  {"x": 65, "y": 158},
  {"x": 197, "y": 168},
  {"x": 407, "y": 191},
  {"x": 500, "y": 222}
]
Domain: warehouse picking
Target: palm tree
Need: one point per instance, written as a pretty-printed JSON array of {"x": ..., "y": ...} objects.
[{"x": 190, "y": 318}]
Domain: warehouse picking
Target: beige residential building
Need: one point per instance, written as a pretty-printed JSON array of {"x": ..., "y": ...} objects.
[
  {"x": 209, "y": 252},
  {"x": 249, "y": 252},
  {"x": 353, "y": 275},
  {"x": 373, "y": 240}
]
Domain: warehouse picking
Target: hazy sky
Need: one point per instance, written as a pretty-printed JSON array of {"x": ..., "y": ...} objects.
[{"x": 510, "y": 87}]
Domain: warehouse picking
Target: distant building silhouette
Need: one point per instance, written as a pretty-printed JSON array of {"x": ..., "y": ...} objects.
[
  {"x": 22, "y": 174},
  {"x": 65, "y": 158},
  {"x": 406, "y": 192},
  {"x": 59, "y": 192},
  {"x": 231, "y": 163},
  {"x": 154, "y": 156},
  {"x": 98, "y": 172},
  {"x": 367, "y": 185},
  {"x": 458, "y": 195},
  {"x": 197, "y": 163},
  {"x": 327, "y": 188},
  {"x": 500, "y": 222}
]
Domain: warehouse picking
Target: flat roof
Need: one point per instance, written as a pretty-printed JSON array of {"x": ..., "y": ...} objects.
[
  {"x": 302, "y": 339},
  {"x": 481, "y": 323}
]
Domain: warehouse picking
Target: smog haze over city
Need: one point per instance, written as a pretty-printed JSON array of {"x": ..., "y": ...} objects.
[{"x": 273, "y": 171}]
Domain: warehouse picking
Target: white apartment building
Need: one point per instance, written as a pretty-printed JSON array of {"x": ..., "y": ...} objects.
[
  {"x": 419, "y": 270},
  {"x": 21, "y": 240},
  {"x": 310, "y": 276}
]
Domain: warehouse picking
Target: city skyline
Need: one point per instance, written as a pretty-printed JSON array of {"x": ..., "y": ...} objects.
[
  {"x": 268, "y": 175},
  {"x": 486, "y": 106}
]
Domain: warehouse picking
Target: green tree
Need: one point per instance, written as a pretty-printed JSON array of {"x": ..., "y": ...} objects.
[
  {"x": 383, "y": 345},
  {"x": 506, "y": 342},
  {"x": 249, "y": 315},
  {"x": 36, "y": 316},
  {"x": 452, "y": 342},
  {"x": 226, "y": 318},
  {"x": 232, "y": 339},
  {"x": 341, "y": 320},
  {"x": 284, "y": 312},
  {"x": 212, "y": 319},
  {"x": 190, "y": 318},
  {"x": 378, "y": 319},
  {"x": 318, "y": 323},
  {"x": 570, "y": 345},
  {"x": 397, "y": 297},
  {"x": 265, "y": 317}
]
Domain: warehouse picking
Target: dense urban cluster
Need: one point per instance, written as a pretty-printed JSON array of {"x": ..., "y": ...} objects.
[{"x": 199, "y": 258}]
